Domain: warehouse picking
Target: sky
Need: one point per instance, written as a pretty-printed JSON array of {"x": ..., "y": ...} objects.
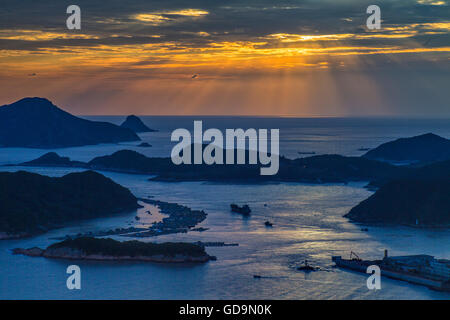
[{"x": 304, "y": 58}]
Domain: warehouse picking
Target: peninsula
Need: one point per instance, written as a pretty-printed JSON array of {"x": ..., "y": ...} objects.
[
  {"x": 409, "y": 202},
  {"x": 31, "y": 203}
]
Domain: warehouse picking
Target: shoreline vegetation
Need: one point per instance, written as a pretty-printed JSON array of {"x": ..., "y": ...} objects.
[
  {"x": 100, "y": 249},
  {"x": 31, "y": 204}
]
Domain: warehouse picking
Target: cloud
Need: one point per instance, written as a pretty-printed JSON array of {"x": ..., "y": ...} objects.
[
  {"x": 235, "y": 42},
  {"x": 158, "y": 18},
  {"x": 432, "y": 2}
]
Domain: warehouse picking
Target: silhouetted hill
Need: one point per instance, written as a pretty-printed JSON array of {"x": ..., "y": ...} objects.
[
  {"x": 433, "y": 171},
  {"x": 424, "y": 148},
  {"x": 131, "y": 161},
  {"x": 329, "y": 168},
  {"x": 316, "y": 169},
  {"x": 405, "y": 202},
  {"x": 31, "y": 203},
  {"x": 134, "y": 123},
  {"x": 37, "y": 123},
  {"x": 438, "y": 170},
  {"x": 52, "y": 159}
]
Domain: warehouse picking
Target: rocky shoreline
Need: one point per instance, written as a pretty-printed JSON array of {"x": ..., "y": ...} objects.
[
  {"x": 181, "y": 219},
  {"x": 94, "y": 249}
]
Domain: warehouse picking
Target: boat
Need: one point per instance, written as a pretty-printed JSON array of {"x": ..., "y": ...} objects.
[
  {"x": 244, "y": 210},
  {"x": 419, "y": 269},
  {"x": 306, "y": 267},
  {"x": 268, "y": 224}
]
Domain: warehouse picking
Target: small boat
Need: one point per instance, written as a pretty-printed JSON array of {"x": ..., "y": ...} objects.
[
  {"x": 306, "y": 267},
  {"x": 144, "y": 145},
  {"x": 245, "y": 209},
  {"x": 268, "y": 224},
  {"x": 256, "y": 276}
]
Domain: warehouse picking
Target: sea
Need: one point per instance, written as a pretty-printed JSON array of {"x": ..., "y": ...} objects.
[{"x": 308, "y": 223}]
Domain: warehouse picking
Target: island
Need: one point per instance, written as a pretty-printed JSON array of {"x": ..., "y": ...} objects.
[
  {"x": 134, "y": 123},
  {"x": 413, "y": 202},
  {"x": 314, "y": 169},
  {"x": 328, "y": 168},
  {"x": 425, "y": 148},
  {"x": 89, "y": 248},
  {"x": 31, "y": 204},
  {"x": 38, "y": 123},
  {"x": 145, "y": 145},
  {"x": 52, "y": 159}
]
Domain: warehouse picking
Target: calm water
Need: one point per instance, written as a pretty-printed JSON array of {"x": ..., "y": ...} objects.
[{"x": 308, "y": 224}]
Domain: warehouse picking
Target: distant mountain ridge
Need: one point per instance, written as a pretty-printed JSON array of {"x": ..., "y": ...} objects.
[
  {"x": 38, "y": 123},
  {"x": 316, "y": 169},
  {"x": 424, "y": 148},
  {"x": 134, "y": 123}
]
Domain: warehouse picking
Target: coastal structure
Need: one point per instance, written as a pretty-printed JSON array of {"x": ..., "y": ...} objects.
[{"x": 418, "y": 269}]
